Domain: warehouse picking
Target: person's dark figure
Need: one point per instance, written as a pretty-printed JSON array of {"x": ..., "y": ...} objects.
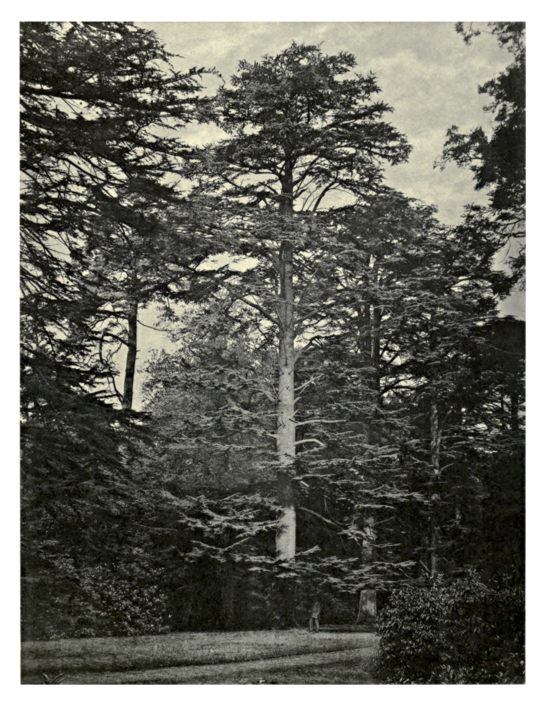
[{"x": 314, "y": 618}]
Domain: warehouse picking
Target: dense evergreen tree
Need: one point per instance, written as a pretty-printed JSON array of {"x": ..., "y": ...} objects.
[
  {"x": 300, "y": 127},
  {"x": 97, "y": 103}
]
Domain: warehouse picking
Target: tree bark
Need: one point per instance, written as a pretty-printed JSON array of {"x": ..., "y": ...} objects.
[
  {"x": 372, "y": 318},
  {"x": 375, "y": 353},
  {"x": 435, "y": 453},
  {"x": 131, "y": 356},
  {"x": 367, "y": 605},
  {"x": 228, "y": 586},
  {"x": 286, "y": 423},
  {"x": 367, "y": 597}
]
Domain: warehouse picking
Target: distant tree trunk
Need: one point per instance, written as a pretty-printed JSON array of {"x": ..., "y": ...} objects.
[
  {"x": 435, "y": 454},
  {"x": 131, "y": 356},
  {"x": 375, "y": 355},
  {"x": 372, "y": 318},
  {"x": 228, "y": 587},
  {"x": 367, "y": 605},
  {"x": 367, "y": 597},
  {"x": 514, "y": 408},
  {"x": 286, "y": 423}
]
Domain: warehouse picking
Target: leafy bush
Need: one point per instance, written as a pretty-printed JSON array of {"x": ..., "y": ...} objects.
[
  {"x": 119, "y": 604},
  {"x": 465, "y": 631},
  {"x": 95, "y": 601}
]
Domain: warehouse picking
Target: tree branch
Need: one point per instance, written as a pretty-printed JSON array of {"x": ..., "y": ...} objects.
[{"x": 318, "y": 515}]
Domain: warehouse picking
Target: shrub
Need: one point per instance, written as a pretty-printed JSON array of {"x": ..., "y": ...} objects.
[
  {"x": 112, "y": 603},
  {"x": 453, "y": 632},
  {"x": 101, "y": 600}
]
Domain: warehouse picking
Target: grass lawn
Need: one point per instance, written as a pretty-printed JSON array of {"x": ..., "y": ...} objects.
[
  {"x": 340, "y": 673},
  {"x": 121, "y": 660}
]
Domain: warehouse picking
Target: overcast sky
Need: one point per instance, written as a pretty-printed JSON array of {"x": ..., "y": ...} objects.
[{"x": 425, "y": 70}]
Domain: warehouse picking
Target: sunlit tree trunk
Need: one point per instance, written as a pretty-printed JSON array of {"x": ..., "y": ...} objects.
[
  {"x": 375, "y": 354},
  {"x": 286, "y": 424}
]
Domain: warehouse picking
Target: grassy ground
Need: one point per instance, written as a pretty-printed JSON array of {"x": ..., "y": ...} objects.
[
  {"x": 339, "y": 673},
  {"x": 281, "y": 657}
]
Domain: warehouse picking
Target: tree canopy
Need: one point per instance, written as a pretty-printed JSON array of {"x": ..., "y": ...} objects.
[{"x": 497, "y": 158}]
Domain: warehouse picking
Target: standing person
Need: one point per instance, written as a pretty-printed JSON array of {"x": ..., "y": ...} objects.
[{"x": 314, "y": 618}]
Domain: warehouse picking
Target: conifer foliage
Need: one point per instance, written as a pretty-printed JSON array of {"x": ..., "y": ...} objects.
[
  {"x": 497, "y": 158},
  {"x": 300, "y": 126},
  {"x": 98, "y": 101}
]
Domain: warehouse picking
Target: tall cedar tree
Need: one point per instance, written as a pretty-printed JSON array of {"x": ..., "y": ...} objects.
[{"x": 301, "y": 128}]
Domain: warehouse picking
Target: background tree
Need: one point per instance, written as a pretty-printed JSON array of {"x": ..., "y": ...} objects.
[
  {"x": 212, "y": 463},
  {"x": 497, "y": 159},
  {"x": 98, "y": 103}
]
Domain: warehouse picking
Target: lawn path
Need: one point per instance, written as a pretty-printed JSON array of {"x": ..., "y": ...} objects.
[{"x": 251, "y": 671}]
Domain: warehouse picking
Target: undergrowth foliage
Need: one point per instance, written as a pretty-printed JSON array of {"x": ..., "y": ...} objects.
[
  {"x": 464, "y": 631},
  {"x": 102, "y": 601}
]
